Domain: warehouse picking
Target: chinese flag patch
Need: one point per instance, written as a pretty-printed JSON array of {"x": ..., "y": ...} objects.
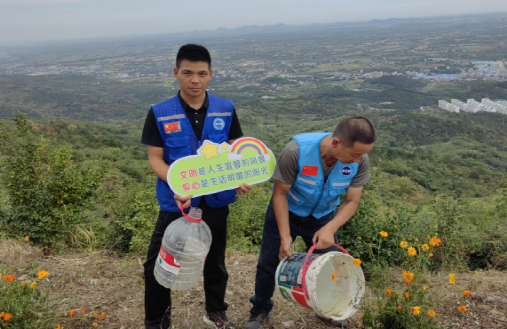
[
  {"x": 172, "y": 126},
  {"x": 310, "y": 170}
]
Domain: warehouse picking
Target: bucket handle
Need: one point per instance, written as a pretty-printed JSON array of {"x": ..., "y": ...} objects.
[{"x": 305, "y": 267}]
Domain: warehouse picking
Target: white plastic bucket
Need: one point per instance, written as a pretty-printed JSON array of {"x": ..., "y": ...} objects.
[{"x": 334, "y": 285}]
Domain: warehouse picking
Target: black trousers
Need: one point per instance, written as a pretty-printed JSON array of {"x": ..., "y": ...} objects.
[{"x": 157, "y": 299}]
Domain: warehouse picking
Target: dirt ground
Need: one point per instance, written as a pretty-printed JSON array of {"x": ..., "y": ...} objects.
[{"x": 102, "y": 282}]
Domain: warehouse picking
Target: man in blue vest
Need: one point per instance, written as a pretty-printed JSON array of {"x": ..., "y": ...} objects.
[
  {"x": 311, "y": 174},
  {"x": 174, "y": 129}
]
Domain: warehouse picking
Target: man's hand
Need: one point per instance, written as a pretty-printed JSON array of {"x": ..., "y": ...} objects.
[
  {"x": 285, "y": 248},
  {"x": 183, "y": 200},
  {"x": 324, "y": 237},
  {"x": 243, "y": 189}
]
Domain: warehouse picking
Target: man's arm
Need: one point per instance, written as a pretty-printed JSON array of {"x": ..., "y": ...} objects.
[
  {"x": 325, "y": 236},
  {"x": 160, "y": 168},
  {"x": 281, "y": 208}
]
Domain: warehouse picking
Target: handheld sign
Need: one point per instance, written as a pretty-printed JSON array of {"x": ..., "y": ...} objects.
[{"x": 220, "y": 167}]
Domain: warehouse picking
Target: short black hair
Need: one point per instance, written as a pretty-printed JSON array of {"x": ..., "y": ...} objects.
[
  {"x": 193, "y": 53},
  {"x": 355, "y": 129}
]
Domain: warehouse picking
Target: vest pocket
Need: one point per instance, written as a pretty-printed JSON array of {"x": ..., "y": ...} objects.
[
  {"x": 306, "y": 185},
  {"x": 337, "y": 188},
  {"x": 217, "y": 138},
  {"x": 178, "y": 147},
  {"x": 295, "y": 197}
]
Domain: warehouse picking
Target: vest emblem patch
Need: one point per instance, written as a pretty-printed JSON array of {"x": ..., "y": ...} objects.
[
  {"x": 346, "y": 171},
  {"x": 310, "y": 170},
  {"x": 219, "y": 124},
  {"x": 173, "y": 127}
]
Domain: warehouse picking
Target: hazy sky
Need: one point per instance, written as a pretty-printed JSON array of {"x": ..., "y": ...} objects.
[{"x": 39, "y": 20}]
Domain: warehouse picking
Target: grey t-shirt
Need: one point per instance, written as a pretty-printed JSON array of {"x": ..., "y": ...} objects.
[{"x": 286, "y": 169}]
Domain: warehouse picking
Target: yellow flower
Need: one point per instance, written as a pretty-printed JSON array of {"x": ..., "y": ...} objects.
[
  {"x": 467, "y": 293},
  {"x": 95, "y": 325},
  {"x": 42, "y": 274},
  {"x": 424, "y": 288},
  {"x": 415, "y": 310},
  {"x": 33, "y": 285},
  {"x": 452, "y": 280},
  {"x": 384, "y": 234},
  {"x": 357, "y": 262},
  {"x": 95, "y": 315},
  {"x": 27, "y": 238},
  {"x": 462, "y": 309},
  {"x": 411, "y": 251},
  {"x": 334, "y": 276},
  {"x": 431, "y": 255},
  {"x": 435, "y": 242},
  {"x": 432, "y": 313},
  {"x": 408, "y": 276},
  {"x": 425, "y": 247},
  {"x": 403, "y": 244}
]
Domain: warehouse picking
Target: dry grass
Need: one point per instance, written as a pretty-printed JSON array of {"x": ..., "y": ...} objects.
[{"x": 104, "y": 282}]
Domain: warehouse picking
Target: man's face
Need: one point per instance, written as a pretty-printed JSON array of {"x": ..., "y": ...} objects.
[
  {"x": 352, "y": 153},
  {"x": 193, "y": 77}
]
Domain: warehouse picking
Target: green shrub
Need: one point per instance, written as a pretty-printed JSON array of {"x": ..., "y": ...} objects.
[{"x": 23, "y": 307}]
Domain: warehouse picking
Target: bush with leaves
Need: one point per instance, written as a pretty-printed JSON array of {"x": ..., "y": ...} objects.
[
  {"x": 22, "y": 305},
  {"x": 46, "y": 190}
]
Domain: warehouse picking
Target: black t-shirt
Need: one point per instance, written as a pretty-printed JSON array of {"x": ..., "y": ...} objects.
[{"x": 151, "y": 134}]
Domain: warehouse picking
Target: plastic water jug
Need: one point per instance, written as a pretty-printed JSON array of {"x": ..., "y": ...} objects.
[{"x": 185, "y": 245}]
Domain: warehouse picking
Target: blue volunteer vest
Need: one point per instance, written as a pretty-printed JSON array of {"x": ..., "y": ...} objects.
[
  {"x": 180, "y": 141},
  {"x": 310, "y": 194}
]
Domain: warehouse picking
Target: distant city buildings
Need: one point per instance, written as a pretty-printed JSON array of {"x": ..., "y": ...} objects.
[
  {"x": 473, "y": 106},
  {"x": 481, "y": 71}
]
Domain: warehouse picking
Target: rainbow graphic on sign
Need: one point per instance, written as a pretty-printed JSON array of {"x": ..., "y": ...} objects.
[{"x": 246, "y": 143}]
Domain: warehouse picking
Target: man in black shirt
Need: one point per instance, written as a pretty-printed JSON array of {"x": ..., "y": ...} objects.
[{"x": 174, "y": 129}]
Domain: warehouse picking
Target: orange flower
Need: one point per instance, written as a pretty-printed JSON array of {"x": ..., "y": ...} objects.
[
  {"x": 95, "y": 315},
  {"x": 384, "y": 234},
  {"x": 2, "y": 315},
  {"x": 431, "y": 255},
  {"x": 452, "y": 280},
  {"x": 33, "y": 285},
  {"x": 415, "y": 310},
  {"x": 462, "y": 309},
  {"x": 403, "y": 244},
  {"x": 406, "y": 295},
  {"x": 432, "y": 313},
  {"x": 424, "y": 288},
  {"x": 435, "y": 242},
  {"x": 467, "y": 293},
  {"x": 95, "y": 325},
  {"x": 425, "y": 247},
  {"x": 334, "y": 276},
  {"x": 9, "y": 278},
  {"x": 411, "y": 251},
  {"x": 58, "y": 326},
  {"x": 72, "y": 313},
  {"x": 42, "y": 274},
  {"x": 102, "y": 316},
  {"x": 357, "y": 262},
  {"x": 7, "y": 317},
  {"x": 388, "y": 292},
  {"x": 27, "y": 238},
  {"x": 22, "y": 283},
  {"x": 399, "y": 308},
  {"x": 83, "y": 310},
  {"x": 408, "y": 276}
]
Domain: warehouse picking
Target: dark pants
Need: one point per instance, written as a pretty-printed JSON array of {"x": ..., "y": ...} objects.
[
  {"x": 157, "y": 299},
  {"x": 304, "y": 227}
]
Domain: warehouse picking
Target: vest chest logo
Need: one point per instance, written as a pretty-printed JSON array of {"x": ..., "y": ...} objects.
[
  {"x": 310, "y": 170},
  {"x": 219, "y": 124},
  {"x": 173, "y": 127},
  {"x": 346, "y": 171}
]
